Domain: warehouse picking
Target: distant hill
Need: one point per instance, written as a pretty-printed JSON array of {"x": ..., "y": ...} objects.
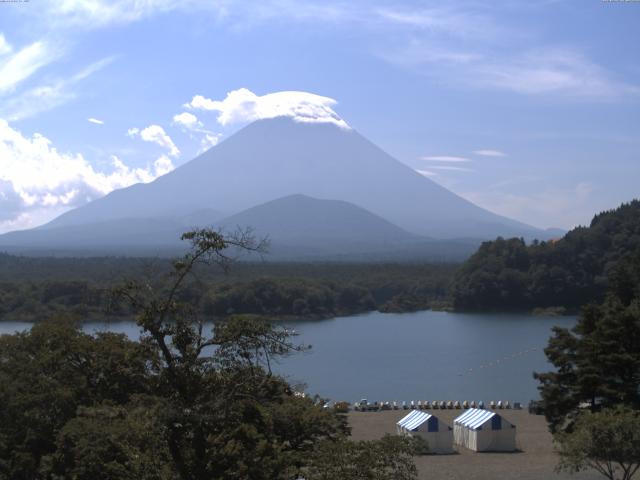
[
  {"x": 569, "y": 272},
  {"x": 298, "y": 228},
  {"x": 300, "y": 225},
  {"x": 299, "y": 217}
]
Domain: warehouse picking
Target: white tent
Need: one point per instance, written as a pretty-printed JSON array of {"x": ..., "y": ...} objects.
[
  {"x": 438, "y": 435},
  {"x": 483, "y": 431}
]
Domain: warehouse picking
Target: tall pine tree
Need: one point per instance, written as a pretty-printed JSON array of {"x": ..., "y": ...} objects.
[{"x": 598, "y": 361}]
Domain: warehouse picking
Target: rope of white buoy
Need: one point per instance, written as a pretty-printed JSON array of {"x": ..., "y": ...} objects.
[{"x": 496, "y": 362}]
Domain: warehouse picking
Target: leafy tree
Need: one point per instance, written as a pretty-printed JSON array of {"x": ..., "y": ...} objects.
[
  {"x": 47, "y": 374},
  {"x": 111, "y": 442},
  {"x": 607, "y": 441},
  {"x": 598, "y": 361},
  {"x": 220, "y": 419},
  {"x": 569, "y": 272}
]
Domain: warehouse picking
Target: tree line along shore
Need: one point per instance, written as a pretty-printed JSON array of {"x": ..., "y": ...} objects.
[{"x": 32, "y": 289}]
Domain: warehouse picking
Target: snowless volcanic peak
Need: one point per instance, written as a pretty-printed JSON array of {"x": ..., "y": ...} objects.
[
  {"x": 243, "y": 105},
  {"x": 276, "y": 157}
]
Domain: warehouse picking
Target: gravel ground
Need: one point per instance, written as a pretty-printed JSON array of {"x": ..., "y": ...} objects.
[{"x": 535, "y": 458}]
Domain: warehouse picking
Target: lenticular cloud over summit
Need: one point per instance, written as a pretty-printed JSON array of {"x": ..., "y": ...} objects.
[{"x": 243, "y": 105}]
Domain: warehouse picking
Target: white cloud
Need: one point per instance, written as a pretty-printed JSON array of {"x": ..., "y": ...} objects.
[
  {"x": 426, "y": 173},
  {"x": 100, "y": 13},
  {"x": 424, "y": 54},
  {"x": 187, "y": 120},
  {"x": 552, "y": 70},
  {"x": 190, "y": 124},
  {"x": 37, "y": 182},
  {"x": 490, "y": 153},
  {"x": 162, "y": 166},
  {"x": 445, "y": 158},
  {"x": 5, "y": 47},
  {"x": 35, "y": 100},
  {"x": 468, "y": 47},
  {"x": 91, "y": 14},
  {"x": 24, "y": 63},
  {"x": 484, "y": 64},
  {"x": 450, "y": 168},
  {"x": 155, "y": 134},
  {"x": 95, "y": 120},
  {"x": 47, "y": 96},
  {"x": 243, "y": 105},
  {"x": 209, "y": 140},
  {"x": 457, "y": 23}
]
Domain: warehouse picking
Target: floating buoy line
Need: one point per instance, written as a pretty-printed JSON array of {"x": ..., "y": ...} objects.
[{"x": 498, "y": 361}]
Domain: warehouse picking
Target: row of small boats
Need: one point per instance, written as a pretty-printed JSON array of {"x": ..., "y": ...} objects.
[{"x": 365, "y": 406}]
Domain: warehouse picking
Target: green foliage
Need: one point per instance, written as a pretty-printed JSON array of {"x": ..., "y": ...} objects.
[
  {"x": 111, "y": 442},
  {"x": 284, "y": 297},
  {"x": 389, "y": 458},
  {"x": 607, "y": 441},
  {"x": 48, "y": 373},
  {"x": 32, "y": 289},
  {"x": 598, "y": 361},
  {"x": 570, "y": 272},
  {"x": 419, "y": 445}
]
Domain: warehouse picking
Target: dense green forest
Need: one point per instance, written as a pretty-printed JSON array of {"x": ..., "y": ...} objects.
[
  {"x": 570, "y": 272},
  {"x": 34, "y": 288}
]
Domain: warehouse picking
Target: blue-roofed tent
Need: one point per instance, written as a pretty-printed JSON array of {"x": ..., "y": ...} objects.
[
  {"x": 484, "y": 431},
  {"x": 438, "y": 435}
]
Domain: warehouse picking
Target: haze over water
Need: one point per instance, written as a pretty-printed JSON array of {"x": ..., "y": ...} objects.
[{"x": 411, "y": 356}]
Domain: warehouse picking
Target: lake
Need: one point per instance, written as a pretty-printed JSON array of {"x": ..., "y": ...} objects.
[{"x": 411, "y": 356}]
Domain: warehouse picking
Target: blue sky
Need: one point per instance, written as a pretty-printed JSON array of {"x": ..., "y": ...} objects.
[{"x": 530, "y": 109}]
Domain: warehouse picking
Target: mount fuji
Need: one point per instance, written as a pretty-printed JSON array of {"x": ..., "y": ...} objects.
[{"x": 272, "y": 159}]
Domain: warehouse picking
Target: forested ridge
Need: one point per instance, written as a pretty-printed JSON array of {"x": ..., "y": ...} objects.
[
  {"x": 32, "y": 289},
  {"x": 508, "y": 274}
]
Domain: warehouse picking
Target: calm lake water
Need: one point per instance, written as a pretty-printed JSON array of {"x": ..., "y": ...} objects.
[{"x": 411, "y": 356}]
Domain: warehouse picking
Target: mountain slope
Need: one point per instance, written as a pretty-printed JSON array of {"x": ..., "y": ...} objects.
[
  {"x": 128, "y": 235},
  {"x": 305, "y": 219},
  {"x": 300, "y": 226},
  {"x": 278, "y": 157}
]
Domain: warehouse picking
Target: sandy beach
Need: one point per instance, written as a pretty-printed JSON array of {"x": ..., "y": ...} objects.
[{"x": 535, "y": 459}]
